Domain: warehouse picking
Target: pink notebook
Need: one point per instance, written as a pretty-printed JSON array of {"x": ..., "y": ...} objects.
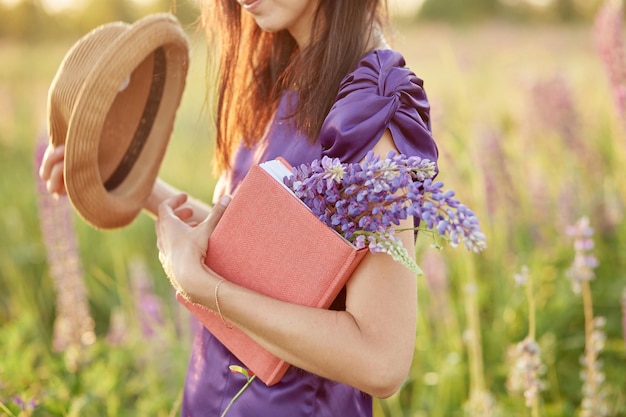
[{"x": 269, "y": 241}]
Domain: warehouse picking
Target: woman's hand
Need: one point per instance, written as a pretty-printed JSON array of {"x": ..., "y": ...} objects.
[
  {"x": 182, "y": 248},
  {"x": 51, "y": 169}
]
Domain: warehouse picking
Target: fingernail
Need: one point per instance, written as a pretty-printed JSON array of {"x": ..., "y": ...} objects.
[{"x": 225, "y": 200}]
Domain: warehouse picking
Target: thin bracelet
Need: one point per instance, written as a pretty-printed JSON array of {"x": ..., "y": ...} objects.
[{"x": 217, "y": 305}]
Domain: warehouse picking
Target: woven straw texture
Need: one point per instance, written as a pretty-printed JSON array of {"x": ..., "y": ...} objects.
[{"x": 113, "y": 103}]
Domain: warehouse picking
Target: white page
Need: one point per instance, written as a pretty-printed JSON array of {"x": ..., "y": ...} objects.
[{"x": 278, "y": 171}]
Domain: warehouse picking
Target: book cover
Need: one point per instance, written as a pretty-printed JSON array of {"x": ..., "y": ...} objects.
[{"x": 269, "y": 241}]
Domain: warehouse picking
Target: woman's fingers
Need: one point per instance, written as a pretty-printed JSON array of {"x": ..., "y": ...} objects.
[
  {"x": 167, "y": 210},
  {"x": 51, "y": 169},
  {"x": 216, "y": 213},
  {"x": 168, "y": 205},
  {"x": 51, "y": 157},
  {"x": 180, "y": 244},
  {"x": 55, "y": 183},
  {"x": 168, "y": 220},
  {"x": 170, "y": 223},
  {"x": 184, "y": 213}
]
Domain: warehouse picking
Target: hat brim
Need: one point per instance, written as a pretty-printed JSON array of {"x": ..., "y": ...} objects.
[{"x": 105, "y": 206}]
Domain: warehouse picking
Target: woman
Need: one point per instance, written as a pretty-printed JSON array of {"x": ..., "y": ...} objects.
[{"x": 299, "y": 79}]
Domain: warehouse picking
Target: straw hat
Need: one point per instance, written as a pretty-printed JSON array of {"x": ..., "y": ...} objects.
[{"x": 112, "y": 103}]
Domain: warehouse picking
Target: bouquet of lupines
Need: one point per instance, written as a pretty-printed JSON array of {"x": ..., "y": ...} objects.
[{"x": 364, "y": 202}]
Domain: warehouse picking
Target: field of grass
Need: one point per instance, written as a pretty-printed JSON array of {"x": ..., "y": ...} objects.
[{"x": 529, "y": 138}]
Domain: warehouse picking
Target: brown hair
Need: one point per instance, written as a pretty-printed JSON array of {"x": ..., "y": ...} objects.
[{"x": 255, "y": 67}]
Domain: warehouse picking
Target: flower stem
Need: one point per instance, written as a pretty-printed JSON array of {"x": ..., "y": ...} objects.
[
  {"x": 590, "y": 353},
  {"x": 5, "y": 409},
  {"x": 531, "y": 308},
  {"x": 232, "y": 401},
  {"x": 532, "y": 326},
  {"x": 474, "y": 343},
  {"x": 535, "y": 408}
]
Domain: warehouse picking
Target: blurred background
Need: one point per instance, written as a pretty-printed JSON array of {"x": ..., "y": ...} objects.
[
  {"x": 38, "y": 20},
  {"x": 528, "y": 105}
]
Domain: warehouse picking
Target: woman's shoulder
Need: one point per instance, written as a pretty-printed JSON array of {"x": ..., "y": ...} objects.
[
  {"x": 380, "y": 93},
  {"x": 380, "y": 72}
]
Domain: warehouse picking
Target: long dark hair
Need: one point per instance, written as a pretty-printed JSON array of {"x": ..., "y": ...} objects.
[{"x": 255, "y": 67}]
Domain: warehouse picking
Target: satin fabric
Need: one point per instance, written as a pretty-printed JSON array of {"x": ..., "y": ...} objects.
[{"x": 381, "y": 93}]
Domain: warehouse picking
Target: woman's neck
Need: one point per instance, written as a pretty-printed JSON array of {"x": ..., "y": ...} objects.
[{"x": 377, "y": 40}]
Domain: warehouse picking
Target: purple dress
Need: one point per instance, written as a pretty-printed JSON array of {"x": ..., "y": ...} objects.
[{"x": 381, "y": 93}]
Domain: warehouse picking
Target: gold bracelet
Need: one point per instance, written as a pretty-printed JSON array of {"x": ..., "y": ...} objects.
[{"x": 217, "y": 305}]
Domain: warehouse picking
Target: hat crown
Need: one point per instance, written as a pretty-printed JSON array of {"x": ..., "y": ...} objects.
[{"x": 78, "y": 63}]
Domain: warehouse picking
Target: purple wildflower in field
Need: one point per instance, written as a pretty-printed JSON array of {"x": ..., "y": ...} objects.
[
  {"x": 525, "y": 372},
  {"x": 552, "y": 106},
  {"x": 521, "y": 278},
  {"x": 73, "y": 325},
  {"x": 525, "y": 357},
  {"x": 582, "y": 269},
  {"x": 499, "y": 185},
  {"x": 481, "y": 403},
  {"x": 594, "y": 402},
  {"x": 148, "y": 305},
  {"x": 609, "y": 33},
  {"x": 364, "y": 201},
  {"x": 25, "y": 405}
]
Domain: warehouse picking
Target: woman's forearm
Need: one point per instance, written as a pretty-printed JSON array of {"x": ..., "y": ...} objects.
[
  {"x": 368, "y": 346},
  {"x": 162, "y": 190}
]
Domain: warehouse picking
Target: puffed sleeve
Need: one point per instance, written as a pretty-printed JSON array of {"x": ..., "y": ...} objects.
[{"x": 382, "y": 93}]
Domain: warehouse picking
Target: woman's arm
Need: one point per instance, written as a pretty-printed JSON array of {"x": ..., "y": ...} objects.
[
  {"x": 195, "y": 209},
  {"x": 51, "y": 171},
  {"x": 369, "y": 345}
]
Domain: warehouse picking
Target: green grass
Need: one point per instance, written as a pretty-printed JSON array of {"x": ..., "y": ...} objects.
[{"x": 526, "y": 180}]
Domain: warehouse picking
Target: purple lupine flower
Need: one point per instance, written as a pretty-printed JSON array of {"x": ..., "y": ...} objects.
[
  {"x": 363, "y": 202},
  {"x": 148, "y": 305},
  {"x": 525, "y": 372},
  {"x": 594, "y": 401},
  {"x": 526, "y": 367},
  {"x": 73, "y": 325},
  {"x": 481, "y": 403},
  {"x": 608, "y": 34},
  {"x": 553, "y": 107},
  {"x": 499, "y": 185},
  {"x": 17, "y": 400},
  {"x": 521, "y": 278},
  {"x": 581, "y": 272},
  {"x": 582, "y": 269},
  {"x": 25, "y": 405}
]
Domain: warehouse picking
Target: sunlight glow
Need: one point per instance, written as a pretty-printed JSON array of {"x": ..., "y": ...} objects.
[
  {"x": 9, "y": 3},
  {"x": 396, "y": 7},
  {"x": 404, "y": 7},
  {"x": 57, "y": 6},
  {"x": 539, "y": 3},
  {"x": 411, "y": 7},
  {"x": 534, "y": 3}
]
